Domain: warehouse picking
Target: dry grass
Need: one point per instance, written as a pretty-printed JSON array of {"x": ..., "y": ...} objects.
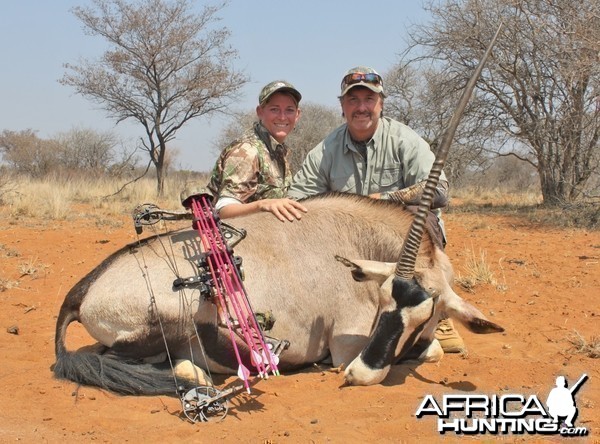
[
  {"x": 581, "y": 346},
  {"x": 57, "y": 199},
  {"x": 495, "y": 197},
  {"x": 6, "y": 284},
  {"x": 526, "y": 204},
  {"x": 477, "y": 270},
  {"x": 8, "y": 252},
  {"x": 32, "y": 267},
  {"x": 40, "y": 199},
  {"x": 581, "y": 215}
]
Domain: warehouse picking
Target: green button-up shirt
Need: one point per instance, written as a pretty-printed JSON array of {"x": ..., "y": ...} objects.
[{"x": 397, "y": 157}]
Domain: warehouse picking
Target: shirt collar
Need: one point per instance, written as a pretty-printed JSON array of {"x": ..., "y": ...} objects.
[
  {"x": 349, "y": 145},
  {"x": 264, "y": 135}
]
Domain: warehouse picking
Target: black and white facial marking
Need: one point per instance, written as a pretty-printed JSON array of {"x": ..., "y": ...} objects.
[{"x": 400, "y": 324}]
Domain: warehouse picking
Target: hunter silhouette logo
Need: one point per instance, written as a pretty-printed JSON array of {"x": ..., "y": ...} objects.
[
  {"x": 509, "y": 413},
  {"x": 561, "y": 400}
]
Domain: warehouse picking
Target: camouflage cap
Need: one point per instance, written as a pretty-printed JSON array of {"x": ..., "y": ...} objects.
[
  {"x": 362, "y": 76},
  {"x": 278, "y": 86}
]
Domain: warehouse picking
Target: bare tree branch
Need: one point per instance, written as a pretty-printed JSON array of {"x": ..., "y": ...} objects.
[
  {"x": 165, "y": 66},
  {"x": 539, "y": 91}
]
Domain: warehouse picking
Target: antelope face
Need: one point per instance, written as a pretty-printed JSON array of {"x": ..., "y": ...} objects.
[{"x": 405, "y": 309}]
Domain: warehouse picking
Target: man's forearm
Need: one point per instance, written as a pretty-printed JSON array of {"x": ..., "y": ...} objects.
[{"x": 412, "y": 195}]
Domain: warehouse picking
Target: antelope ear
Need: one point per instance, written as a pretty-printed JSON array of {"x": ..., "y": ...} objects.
[
  {"x": 363, "y": 270},
  {"x": 471, "y": 317}
]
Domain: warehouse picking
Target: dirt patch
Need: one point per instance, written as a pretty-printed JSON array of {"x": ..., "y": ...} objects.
[{"x": 545, "y": 292}]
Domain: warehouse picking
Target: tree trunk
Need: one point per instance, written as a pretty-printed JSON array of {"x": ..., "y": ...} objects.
[
  {"x": 554, "y": 189},
  {"x": 159, "y": 164},
  {"x": 160, "y": 179}
]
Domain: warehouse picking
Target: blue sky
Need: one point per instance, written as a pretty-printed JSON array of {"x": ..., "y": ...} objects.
[{"x": 310, "y": 43}]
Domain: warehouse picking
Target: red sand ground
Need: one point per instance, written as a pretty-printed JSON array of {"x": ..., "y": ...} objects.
[{"x": 549, "y": 281}]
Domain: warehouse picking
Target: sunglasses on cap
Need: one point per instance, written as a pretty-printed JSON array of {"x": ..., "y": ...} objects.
[{"x": 357, "y": 77}]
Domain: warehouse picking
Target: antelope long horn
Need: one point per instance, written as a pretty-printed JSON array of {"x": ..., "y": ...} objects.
[{"x": 405, "y": 267}]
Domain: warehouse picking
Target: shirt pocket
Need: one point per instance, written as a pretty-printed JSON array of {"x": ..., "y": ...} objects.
[
  {"x": 343, "y": 183},
  {"x": 389, "y": 179}
]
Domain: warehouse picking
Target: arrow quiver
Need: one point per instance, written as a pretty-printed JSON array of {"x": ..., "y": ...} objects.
[{"x": 226, "y": 286}]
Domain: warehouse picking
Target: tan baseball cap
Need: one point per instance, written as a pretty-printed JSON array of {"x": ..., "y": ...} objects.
[{"x": 362, "y": 76}]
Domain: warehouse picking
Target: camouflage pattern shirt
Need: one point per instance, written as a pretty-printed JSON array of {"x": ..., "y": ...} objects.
[{"x": 252, "y": 168}]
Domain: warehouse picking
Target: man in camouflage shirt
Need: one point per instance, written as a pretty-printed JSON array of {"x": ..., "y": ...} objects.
[{"x": 252, "y": 174}]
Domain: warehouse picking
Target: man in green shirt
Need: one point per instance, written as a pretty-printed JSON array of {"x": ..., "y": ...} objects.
[
  {"x": 370, "y": 154},
  {"x": 374, "y": 156}
]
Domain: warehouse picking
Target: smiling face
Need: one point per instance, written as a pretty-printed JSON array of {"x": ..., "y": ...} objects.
[
  {"x": 362, "y": 109},
  {"x": 279, "y": 115}
]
